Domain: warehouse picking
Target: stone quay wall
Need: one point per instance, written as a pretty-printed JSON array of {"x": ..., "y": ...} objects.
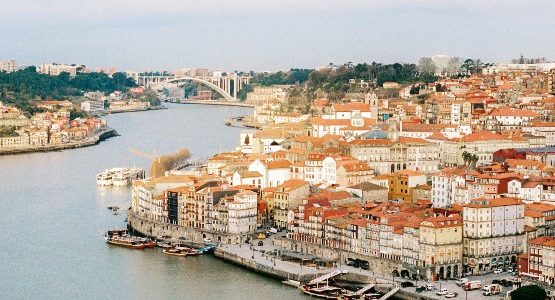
[
  {"x": 379, "y": 266},
  {"x": 260, "y": 268},
  {"x": 90, "y": 141},
  {"x": 155, "y": 229}
]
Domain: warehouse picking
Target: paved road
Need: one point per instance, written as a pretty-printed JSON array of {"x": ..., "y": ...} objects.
[{"x": 246, "y": 251}]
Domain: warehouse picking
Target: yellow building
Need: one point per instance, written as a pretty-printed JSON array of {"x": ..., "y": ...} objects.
[
  {"x": 441, "y": 248},
  {"x": 288, "y": 196},
  {"x": 401, "y": 184}
]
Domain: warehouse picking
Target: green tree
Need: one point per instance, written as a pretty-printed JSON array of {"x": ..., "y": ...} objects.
[
  {"x": 242, "y": 94},
  {"x": 466, "y": 157},
  {"x": 529, "y": 292}
]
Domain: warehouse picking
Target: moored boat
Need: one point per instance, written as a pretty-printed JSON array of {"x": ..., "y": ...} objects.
[
  {"x": 119, "y": 176},
  {"x": 324, "y": 291},
  {"x": 175, "y": 252},
  {"x": 104, "y": 178},
  {"x": 148, "y": 242},
  {"x": 125, "y": 242}
]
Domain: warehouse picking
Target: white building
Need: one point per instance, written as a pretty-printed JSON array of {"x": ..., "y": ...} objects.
[
  {"x": 446, "y": 187},
  {"x": 57, "y": 69},
  {"x": 273, "y": 173},
  {"x": 8, "y": 66},
  {"x": 493, "y": 233},
  {"x": 242, "y": 212},
  {"x": 92, "y": 106},
  {"x": 509, "y": 118}
]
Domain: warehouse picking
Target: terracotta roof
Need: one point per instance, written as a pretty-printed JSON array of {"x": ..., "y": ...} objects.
[
  {"x": 409, "y": 173},
  {"x": 250, "y": 174},
  {"x": 368, "y": 186},
  {"x": 412, "y": 140},
  {"x": 355, "y": 166},
  {"x": 419, "y": 127},
  {"x": 345, "y": 107},
  {"x": 278, "y": 164},
  {"x": 485, "y": 203},
  {"x": 293, "y": 183},
  {"x": 479, "y": 136},
  {"x": 437, "y": 136},
  {"x": 510, "y": 112},
  {"x": 525, "y": 163}
]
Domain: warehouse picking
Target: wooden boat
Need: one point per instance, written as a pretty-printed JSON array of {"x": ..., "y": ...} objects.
[
  {"x": 116, "y": 232},
  {"x": 125, "y": 242},
  {"x": 164, "y": 244},
  {"x": 191, "y": 251},
  {"x": 324, "y": 292},
  {"x": 175, "y": 252},
  {"x": 149, "y": 243}
]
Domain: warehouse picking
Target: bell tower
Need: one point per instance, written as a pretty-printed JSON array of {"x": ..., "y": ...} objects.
[{"x": 372, "y": 100}]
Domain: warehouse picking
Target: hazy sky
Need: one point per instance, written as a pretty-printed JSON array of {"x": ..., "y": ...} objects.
[{"x": 270, "y": 35}]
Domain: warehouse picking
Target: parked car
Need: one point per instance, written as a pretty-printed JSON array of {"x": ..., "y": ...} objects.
[
  {"x": 260, "y": 243},
  {"x": 496, "y": 281},
  {"x": 510, "y": 270},
  {"x": 508, "y": 283},
  {"x": 420, "y": 289},
  {"x": 273, "y": 230},
  {"x": 497, "y": 271},
  {"x": 451, "y": 295},
  {"x": 407, "y": 284},
  {"x": 430, "y": 287},
  {"x": 442, "y": 292}
]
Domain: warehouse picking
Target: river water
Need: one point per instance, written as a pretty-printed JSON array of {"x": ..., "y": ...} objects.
[{"x": 53, "y": 216}]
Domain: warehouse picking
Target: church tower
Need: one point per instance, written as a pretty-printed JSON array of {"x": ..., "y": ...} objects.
[{"x": 372, "y": 99}]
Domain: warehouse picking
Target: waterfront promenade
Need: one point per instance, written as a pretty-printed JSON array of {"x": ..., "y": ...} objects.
[
  {"x": 255, "y": 260},
  {"x": 89, "y": 141}
]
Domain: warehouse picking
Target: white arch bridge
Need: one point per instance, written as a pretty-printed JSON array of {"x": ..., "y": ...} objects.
[{"x": 226, "y": 86}]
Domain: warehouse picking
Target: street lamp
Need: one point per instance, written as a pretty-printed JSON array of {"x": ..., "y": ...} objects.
[{"x": 417, "y": 275}]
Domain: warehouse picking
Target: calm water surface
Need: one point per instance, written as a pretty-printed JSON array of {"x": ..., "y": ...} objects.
[{"x": 53, "y": 216}]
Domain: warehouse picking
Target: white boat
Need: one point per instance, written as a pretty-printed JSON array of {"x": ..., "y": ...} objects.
[
  {"x": 119, "y": 176},
  {"x": 104, "y": 178}
]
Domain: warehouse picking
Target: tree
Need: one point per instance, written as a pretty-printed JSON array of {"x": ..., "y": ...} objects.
[
  {"x": 468, "y": 65},
  {"x": 474, "y": 159},
  {"x": 454, "y": 66},
  {"x": 529, "y": 292},
  {"x": 466, "y": 157},
  {"x": 426, "y": 66}
]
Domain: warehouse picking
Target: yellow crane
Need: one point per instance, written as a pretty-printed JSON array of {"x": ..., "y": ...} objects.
[
  {"x": 163, "y": 163},
  {"x": 155, "y": 161}
]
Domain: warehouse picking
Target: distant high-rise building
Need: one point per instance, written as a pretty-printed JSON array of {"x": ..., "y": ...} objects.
[
  {"x": 441, "y": 62},
  {"x": 8, "y": 66},
  {"x": 57, "y": 69}
]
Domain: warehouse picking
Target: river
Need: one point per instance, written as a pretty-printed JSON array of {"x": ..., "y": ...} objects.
[{"x": 53, "y": 217}]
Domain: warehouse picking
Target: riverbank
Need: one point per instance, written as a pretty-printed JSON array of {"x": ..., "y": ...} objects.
[
  {"x": 90, "y": 141},
  {"x": 119, "y": 111},
  {"x": 211, "y": 102}
]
